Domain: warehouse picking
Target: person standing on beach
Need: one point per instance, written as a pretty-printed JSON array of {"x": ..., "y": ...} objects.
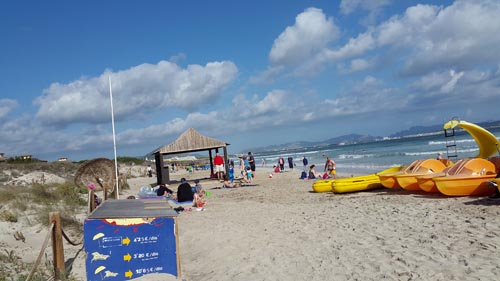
[
  {"x": 281, "y": 164},
  {"x": 150, "y": 171},
  {"x": 290, "y": 162},
  {"x": 242, "y": 165},
  {"x": 251, "y": 162},
  {"x": 219, "y": 166},
  {"x": 305, "y": 162},
  {"x": 330, "y": 167}
]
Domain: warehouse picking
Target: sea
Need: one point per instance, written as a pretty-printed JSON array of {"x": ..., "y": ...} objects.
[{"x": 372, "y": 157}]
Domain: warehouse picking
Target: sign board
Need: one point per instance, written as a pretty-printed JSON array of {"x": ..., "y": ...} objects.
[{"x": 121, "y": 248}]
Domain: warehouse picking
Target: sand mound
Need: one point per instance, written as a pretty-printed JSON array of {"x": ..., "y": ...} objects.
[{"x": 36, "y": 177}]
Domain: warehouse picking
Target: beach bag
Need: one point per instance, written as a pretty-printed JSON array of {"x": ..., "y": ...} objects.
[
  {"x": 303, "y": 175},
  {"x": 325, "y": 176}
]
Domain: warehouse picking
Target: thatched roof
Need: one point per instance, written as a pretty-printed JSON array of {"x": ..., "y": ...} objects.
[{"x": 191, "y": 141}]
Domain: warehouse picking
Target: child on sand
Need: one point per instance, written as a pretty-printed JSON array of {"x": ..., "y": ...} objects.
[
  {"x": 199, "y": 199},
  {"x": 249, "y": 174},
  {"x": 228, "y": 184}
]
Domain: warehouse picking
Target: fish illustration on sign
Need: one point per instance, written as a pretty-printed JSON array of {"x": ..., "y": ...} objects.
[
  {"x": 108, "y": 273},
  {"x": 96, "y": 256}
]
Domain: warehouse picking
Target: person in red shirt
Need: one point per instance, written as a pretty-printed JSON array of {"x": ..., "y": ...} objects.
[{"x": 219, "y": 166}]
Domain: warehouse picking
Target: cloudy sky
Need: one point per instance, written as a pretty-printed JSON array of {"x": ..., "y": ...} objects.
[{"x": 251, "y": 73}]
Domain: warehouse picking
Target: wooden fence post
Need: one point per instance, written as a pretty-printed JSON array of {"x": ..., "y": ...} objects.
[
  {"x": 91, "y": 201},
  {"x": 57, "y": 245},
  {"x": 105, "y": 192}
]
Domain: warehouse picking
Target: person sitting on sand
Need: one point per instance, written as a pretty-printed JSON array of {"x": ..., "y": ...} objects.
[
  {"x": 228, "y": 184},
  {"x": 313, "y": 174},
  {"x": 196, "y": 188},
  {"x": 199, "y": 199},
  {"x": 276, "y": 169},
  {"x": 163, "y": 190},
  {"x": 184, "y": 191}
]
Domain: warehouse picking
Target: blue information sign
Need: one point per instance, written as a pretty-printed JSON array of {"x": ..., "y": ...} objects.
[{"x": 122, "y": 249}]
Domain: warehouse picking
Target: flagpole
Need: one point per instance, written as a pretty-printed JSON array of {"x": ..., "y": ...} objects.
[{"x": 114, "y": 137}]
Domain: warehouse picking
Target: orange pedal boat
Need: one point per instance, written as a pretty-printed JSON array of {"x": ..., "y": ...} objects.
[
  {"x": 469, "y": 177},
  {"x": 408, "y": 181}
]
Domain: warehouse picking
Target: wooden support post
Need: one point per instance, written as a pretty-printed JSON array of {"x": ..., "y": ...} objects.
[
  {"x": 57, "y": 245},
  {"x": 91, "y": 201},
  {"x": 211, "y": 163},
  {"x": 105, "y": 195},
  {"x": 226, "y": 163}
]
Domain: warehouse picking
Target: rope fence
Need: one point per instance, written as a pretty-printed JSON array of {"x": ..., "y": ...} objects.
[
  {"x": 56, "y": 233},
  {"x": 42, "y": 250}
]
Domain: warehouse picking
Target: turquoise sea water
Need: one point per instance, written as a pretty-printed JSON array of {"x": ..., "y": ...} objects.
[{"x": 372, "y": 157}]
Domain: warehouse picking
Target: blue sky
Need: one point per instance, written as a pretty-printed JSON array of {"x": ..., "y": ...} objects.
[{"x": 251, "y": 73}]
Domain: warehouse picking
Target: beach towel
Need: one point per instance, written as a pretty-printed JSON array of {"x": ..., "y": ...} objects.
[{"x": 183, "y": 202}]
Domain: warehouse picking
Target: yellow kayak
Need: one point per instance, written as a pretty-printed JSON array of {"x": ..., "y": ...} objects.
[
  {"x": 322, "y": 186},
  {"x": 361, "y": 183},
  {"x": 354, "y": 184}
]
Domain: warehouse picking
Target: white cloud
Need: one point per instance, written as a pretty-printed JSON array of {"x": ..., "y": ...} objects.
[
  {"x": 460, "y": 36},
  {"x": 369, "y": 95},
  {"x": 355, "y": 47},
  {"x": 453, "y": 91},
  {"x": 356, "y": 65},
  {"x": 178, "y": 58},
  {"x": 431, "y": 82},
  {"x": 431, "y": 38},
  {"x": 374, "y": 8},
  {"x": 450, "y": 85},
  {"x": 309, "y": 35},
  {"x": 275, "y": 108},
  {"x": 267, "y": 76},
  {"x": 135, "y": 91},
  {"x": 6, "y": 106},
  {"x": 349, "y": 6}
]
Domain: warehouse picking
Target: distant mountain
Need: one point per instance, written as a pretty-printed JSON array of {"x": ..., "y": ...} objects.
[
  {"x": 418, "y": 130},
  {"x": 355, "y": 138},
  {"x": 438, "y": 129},
  {"x": 342, "y": 140}
]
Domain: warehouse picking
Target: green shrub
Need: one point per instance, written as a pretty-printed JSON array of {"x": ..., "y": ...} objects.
[
  {"x": 43, "y": 194},
  {"x": 128, "y": 160},
  {"x": 71, "y": 194},
  {"x": 6, "y": 195},
  {"x": 8, "y": 216}
]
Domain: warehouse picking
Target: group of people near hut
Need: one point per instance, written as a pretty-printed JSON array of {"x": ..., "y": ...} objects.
[
  {"x": 185, "y": 193},
  {"x": 246, "y": 174}
]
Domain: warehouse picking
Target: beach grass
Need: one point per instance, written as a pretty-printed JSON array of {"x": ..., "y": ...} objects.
[{"x": 33, "y": 204}]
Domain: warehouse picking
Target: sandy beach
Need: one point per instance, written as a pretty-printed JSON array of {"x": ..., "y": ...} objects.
[{"x": 279, "y": 229}]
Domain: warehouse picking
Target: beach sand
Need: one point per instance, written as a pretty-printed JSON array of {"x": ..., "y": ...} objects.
[{"x": 280, "y": 230}]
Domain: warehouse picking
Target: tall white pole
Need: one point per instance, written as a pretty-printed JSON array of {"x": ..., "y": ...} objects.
[{"x": 114, "y": 137}]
